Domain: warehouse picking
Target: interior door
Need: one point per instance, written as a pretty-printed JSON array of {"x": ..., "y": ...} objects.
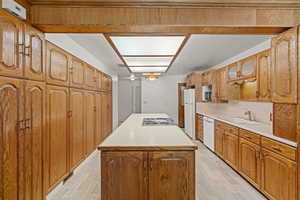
[
  {"x": 57, "y": 61},
  {"x": 34, "y": 54},
  {"x": 90, "y": 120},
  {"x": 57, "y": 147},
  {"x": 77, "y": 129},
  {"x": 12, "y": 47},
  {"x": 34, "y": 139},
  {"x": 163, "y": 183},
  {"x": 11, "y": 138}
]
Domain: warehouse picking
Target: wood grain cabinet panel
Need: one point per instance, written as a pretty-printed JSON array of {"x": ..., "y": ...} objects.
[
  {"x": 278, "y": 176},
  {"x": 11, "y": 133},
  {"x": 231, "y": 149},
  {"x": 233, "y": 72},
  {"x": 12, "y": 47},
  {"x": 124, "y": 176},
  {"x": 98, "y": 135},
  {"x": 106, "y": 114},
  {"x": 90, "y": 77},
  {"x": 99, "y": 75},
  {"x": 57, "y": 65},
  {"x": 222, "y": 85},
  {"x": 199, "y": 127},
  {"x": 34, "y": 51},
  {"x": 77, "y": 128},
  {"x": 90, "y": 121},
  {"x": 247, "y": 68},
  {"x": 163, "y": 184},
  {"x": 77, "y": 69},
  {"x": 35, "y": 135},
  {"x": 249, "y": 161},
  {"x": 57, "y": 147},
  {"x": 264, "y": 75},
  {"x": 284, "y": 67},
  {"x": 219, "y": 137}
]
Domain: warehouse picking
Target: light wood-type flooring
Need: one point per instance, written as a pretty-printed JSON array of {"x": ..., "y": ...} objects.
[{"x": 215, "y": 181}]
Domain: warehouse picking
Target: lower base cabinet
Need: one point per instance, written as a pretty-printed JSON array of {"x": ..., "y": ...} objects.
[
  {"x": 278, "y": 176},
  {"x": 231, "y": 149},
  {"x": 142, "y": 175}
]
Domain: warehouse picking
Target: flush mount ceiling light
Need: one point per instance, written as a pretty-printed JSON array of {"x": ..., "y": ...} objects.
[
  {"x": 151, "y": 77},
  {"x": 142, "y": 54}
]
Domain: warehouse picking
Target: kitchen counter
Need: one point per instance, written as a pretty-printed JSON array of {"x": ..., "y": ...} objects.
[
  {"x": 133, "y": 135},
  {"x": 262, "y": 129}
]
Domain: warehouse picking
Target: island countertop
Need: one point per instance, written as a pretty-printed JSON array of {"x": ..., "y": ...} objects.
[{"x": 132, "y": 135}]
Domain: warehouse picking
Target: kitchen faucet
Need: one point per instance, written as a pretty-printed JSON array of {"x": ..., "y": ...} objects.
[{"x": 250, "y": 115}]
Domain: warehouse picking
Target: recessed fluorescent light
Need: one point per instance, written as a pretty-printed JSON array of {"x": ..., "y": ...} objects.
[
  {"x": 147, "y": 45},
  {"x": 148, "y": 69},
  {"x": 157, "y": 74},
  {"x": 148, "y": 61}
]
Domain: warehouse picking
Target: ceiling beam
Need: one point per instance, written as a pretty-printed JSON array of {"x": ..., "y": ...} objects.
[{"x": 85, "y": 19}]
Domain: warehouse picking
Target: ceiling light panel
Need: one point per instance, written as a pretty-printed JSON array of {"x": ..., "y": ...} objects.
[
  {"x": 148, "y": 69},
  {"x": 147, "y": 45},
  {"x": 148, "y": 61}
]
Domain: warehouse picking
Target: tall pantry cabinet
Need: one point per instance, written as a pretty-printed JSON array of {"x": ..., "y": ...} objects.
[{"x": 46, "y": 129}]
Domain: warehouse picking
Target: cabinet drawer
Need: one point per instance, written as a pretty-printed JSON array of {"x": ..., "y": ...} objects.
[
  {"x": 252, "y": 137},
  {"x": 232, "y": 129},
  {"x": 280, "y": 148}
]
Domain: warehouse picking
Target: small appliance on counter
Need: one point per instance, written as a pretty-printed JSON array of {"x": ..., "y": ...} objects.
[{"x": 206, "y": 92}]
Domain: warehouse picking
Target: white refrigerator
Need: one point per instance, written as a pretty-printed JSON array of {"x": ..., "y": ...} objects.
[{"x": 189, "y": 112}]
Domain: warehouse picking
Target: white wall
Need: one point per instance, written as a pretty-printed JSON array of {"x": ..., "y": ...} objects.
[
  {"x": 161, "y": 96},
  {"x": 69, "y": 45}
]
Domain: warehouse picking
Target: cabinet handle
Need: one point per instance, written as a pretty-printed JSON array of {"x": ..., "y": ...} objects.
[
  {"x": 27, "y": 123},
  {"x": 21, "y": 125},
  {"x": 27, "y": 48},
  {"x": 70, "y": 114},
  {"x": 276, "y": 149}
]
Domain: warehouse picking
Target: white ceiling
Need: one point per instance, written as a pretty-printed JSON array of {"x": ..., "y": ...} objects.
[{"x": 199, "y": 53}]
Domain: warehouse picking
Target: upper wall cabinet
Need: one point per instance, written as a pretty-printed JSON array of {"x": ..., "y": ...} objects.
[
  {"x": 264, "y": 76},
  {"x": 77, "y": 68},
  {"x": 57, "y": 65},
  {"x": 34, "y": 54},
  {"x": 284, "y": 67},
  {"x": 232, "y": 72},
  {"x": 12, "y": 47},
  {"x": 222, "y": 84},
  {"x": 247, "y": 68},
  {"x": 90, "y": 77}
]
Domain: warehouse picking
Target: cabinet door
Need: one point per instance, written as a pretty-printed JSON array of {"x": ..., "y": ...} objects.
[
  {"x": 99, "y": 80},
  {"x": 12, "y": 47},
  {"x": 199, "y": 127},
  {"x": 248, "y": 67},
  {"x": 57, "y": 146},
  {"x": 57, "y": 65},
  {"x": 231, "y": 149},
  {"x": 34, "y": 54},
  {"x": 109, "y": 105},
  {"x": 77, "y": 68},
  {"x": 35, "y": 109},
  {"x": 124, "y": 176},
  {"x": 232, "y": 72},
  {"x": 222, "y": 84},
  {"x": 163, "y": 184},
  {"x": 249, "y": 162},
  {"x": 98, "y": 135},
  {"x": 77, "y": 129},
  {"x": 90, "y": 78},
  {"x": 278, "y": 176},
  {"x": 90, "y": 121},
  {"x": 219, "y": 135},
  {"x": 284, "y": 67},
  {"x": 11, "y": 133},
  {"x": 264, "y": 77}
]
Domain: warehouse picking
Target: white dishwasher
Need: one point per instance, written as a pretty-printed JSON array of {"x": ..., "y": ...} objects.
[{"x": 209, "y": 133}]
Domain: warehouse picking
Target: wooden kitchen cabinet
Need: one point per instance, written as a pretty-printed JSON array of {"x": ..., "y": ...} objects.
[
  {"x": 90, "y": 77},
  {"x": 99, "y": 78},
  {"x": 57, "y": 146},
  {"x": 249, "y": 161},
  {"x": 106, "y": 82},
  {"x": 77, "y": 71},
  {"x": 124, "y": 175},
  {"x": 233, "y": 72},
  {"x": 222, "y": 85},
  {"x": 11, "y": 138},
  {"x": 219, "y": 137},
  {"x": 278, "y": 176},
  {"x": 98, "y": 135},
  {"x": 199, "y": 127},
  {"x": 12, "y": 47},
  {"x": 285, "y": 67},
  {"x": 57, "y": 65},
  {"x": 77, "y": 127},
  {"x": 163, "y": 166},
  {"x": 34, "y": 54},
  {"x": 106, "y": 114},
  {"x": 90, "y": 121},
  {"x": 264, "y": 75},
  {"x": 231, "y": 149},
  {"x": 247, "y": 68}
]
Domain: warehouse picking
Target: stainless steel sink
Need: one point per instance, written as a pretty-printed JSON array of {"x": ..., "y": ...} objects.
[
  {"x": 158, "y": 122},
  {"x": 243, "y": 121}
]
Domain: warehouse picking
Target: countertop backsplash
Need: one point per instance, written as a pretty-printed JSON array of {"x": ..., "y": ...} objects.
[{"x": 261, "y": 110}]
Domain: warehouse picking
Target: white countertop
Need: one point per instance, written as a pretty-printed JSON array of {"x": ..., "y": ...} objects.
[
  {"x": 263, "y": 129},
  {"x": 132, "y": 133}
]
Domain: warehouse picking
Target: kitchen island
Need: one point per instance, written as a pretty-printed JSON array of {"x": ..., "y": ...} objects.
[{"x": 147, "y": 162}]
